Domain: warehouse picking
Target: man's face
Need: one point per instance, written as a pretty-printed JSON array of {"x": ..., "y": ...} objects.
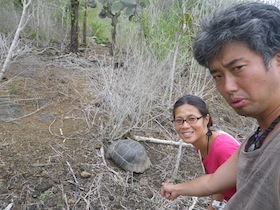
[{"x": 241, "y": 78}]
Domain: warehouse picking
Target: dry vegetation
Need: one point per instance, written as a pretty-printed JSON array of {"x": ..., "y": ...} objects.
[{"x": 60, "y": 111}]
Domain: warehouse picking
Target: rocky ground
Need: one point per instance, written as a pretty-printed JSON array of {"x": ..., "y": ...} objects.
[{"x": 49, "y": 159}]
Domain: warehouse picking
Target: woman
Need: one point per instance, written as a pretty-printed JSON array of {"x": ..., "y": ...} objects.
[{"x": 193, "y": 123}]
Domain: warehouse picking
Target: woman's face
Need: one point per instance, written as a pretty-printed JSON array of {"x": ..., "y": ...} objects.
[{"x": 192, "y": 133}]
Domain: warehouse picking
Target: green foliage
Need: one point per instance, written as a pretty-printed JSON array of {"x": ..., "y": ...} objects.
[
  {"x": 128, "y": 8},
  {"x": 117, "y": 7},
  {"x": 18, "y": 3},
  {"x": 163, "y": 30},
  {"x": 99, "y": 31},
  {"x": 113, "y": 9},
  {"x": 98, "y": 28},
  {"x": 92, "y": 4},
  {"x": 159, "y": 32}
]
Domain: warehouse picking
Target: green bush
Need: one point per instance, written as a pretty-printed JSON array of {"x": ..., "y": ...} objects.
[{"x": 99, "y": 31}]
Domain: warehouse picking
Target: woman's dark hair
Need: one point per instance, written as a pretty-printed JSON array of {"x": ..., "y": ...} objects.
[{"x": 199, "y": 104}]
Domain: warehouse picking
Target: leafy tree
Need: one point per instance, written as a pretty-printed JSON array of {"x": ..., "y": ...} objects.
[{"x": 113, "y": 9}]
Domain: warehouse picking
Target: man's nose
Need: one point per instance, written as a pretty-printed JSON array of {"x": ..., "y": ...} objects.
[{"x": 230, "y": 84}]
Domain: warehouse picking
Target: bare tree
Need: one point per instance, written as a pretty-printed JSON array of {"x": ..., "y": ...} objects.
[
  {"x": 22, "y": 23},
  {"x": 85, "y": 24}
]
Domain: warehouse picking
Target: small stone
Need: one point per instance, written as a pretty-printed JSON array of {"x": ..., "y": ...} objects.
[
  {"x": 111, "y": 198},
  {"x": 71, "y": 201},
  {"x": 98, "y": 145},
  {"x": 85, "y": 174}
]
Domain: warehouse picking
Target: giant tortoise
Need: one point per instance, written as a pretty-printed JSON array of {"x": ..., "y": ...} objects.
[{"x": 129, "y": 155}]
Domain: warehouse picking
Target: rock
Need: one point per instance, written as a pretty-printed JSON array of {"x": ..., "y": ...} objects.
[{"x": 85, "y": 174}]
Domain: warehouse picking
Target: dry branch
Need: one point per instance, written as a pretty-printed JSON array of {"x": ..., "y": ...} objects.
[
  {"x": 27, "y": 115},
  {"x": 160, "y": 141},
  {"x": 21, "y": 25},
  {"x": 178, "y": 159},
  {"x": 9, "y": 206}
]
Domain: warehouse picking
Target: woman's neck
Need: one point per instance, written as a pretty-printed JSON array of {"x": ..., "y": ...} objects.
[{"x": 205, "y": 146}]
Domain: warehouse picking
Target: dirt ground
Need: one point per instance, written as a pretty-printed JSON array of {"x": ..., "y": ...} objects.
[{"x": 48, "y": 158}]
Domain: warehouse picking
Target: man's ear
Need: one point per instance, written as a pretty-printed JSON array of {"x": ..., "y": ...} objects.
[
  {"x": 277, "y": 57},
  {"x": 277, "y": 60}
]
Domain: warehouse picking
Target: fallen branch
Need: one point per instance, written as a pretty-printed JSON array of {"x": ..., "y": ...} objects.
[
  {"x": 160, "y": 141},
  {"x": 27, "y": 115}
]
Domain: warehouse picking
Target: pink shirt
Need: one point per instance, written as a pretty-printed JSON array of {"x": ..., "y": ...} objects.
[{"x": 221, "y": 149}]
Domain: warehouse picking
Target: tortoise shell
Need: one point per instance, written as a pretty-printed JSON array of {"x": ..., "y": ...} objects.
[{"x": 129, "y": 155}]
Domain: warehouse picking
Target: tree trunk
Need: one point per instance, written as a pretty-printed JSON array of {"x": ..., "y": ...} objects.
[
  {"x": 114, "y": 33},
  {"x": 74, "y": 44},
  {"x": 85, "y": 27}
]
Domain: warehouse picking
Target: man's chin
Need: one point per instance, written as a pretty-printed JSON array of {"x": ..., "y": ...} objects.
[{"x": 243, "y": 112}]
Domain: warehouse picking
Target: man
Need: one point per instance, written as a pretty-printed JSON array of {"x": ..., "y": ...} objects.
[{"x": 241, "y": 48}]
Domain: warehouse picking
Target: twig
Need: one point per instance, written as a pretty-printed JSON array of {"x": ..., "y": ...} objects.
[
  {"x": 178, "y": 159},
  {"x": 61, "y": 136},
  {"x": 72, "y": 172},
  {"x": 71, "y": 182},
  {"x": 75, "y": 179},
  {"x": 64, "y": 197},
  {"x": 193, "y": 204},
  {"x": 9, "y": 206},
  {"x": 27, "y": 115},
  {"x": 102, "y": 155},
  {"x": 51, "y": 126},
  {"x": 110, "y": 169}
]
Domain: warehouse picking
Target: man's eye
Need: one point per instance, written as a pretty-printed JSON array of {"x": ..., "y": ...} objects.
[
  {"x": 237, "y": 68},
  {"x": 216, "y": 77}
]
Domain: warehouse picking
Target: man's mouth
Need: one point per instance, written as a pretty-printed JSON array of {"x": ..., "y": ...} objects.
[{"x": 237, "y": 103}]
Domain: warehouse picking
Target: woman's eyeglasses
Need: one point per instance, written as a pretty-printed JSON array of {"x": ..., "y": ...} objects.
[{"x": 189, "y": 120}]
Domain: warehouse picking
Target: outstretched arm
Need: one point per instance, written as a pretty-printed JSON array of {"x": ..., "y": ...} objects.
[{"x": 224, "y": 178}]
